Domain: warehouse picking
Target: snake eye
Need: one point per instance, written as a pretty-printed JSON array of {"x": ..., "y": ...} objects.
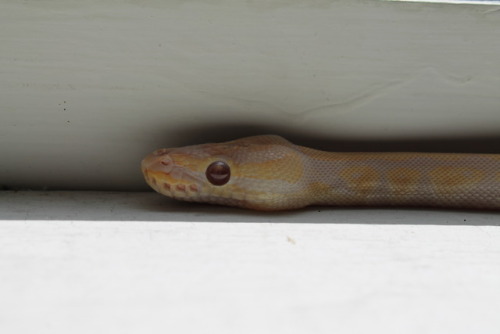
[{"x": 218, "y": 173}]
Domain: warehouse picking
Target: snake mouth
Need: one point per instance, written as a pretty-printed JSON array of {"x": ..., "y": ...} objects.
[{"x": 164, "y": 184}]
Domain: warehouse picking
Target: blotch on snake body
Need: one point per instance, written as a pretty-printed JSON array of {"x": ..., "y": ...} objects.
[
  {"x": 404, "y": 180},
  {"x": 450, "y": 179},
  {"x": 361, "y": 179}
]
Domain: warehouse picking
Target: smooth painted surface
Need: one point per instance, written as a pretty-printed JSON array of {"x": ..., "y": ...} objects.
[
  {"x": 481, "y": 2},
  {"x": 85, "y": 262},
  {"x": 88, "y": 88}
]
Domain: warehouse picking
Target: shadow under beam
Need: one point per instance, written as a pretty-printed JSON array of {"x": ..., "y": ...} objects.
[{"x": 203, "y": 133}]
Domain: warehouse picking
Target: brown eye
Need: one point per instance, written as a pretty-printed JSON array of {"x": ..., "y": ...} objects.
[{"x": 218, "y": 173}]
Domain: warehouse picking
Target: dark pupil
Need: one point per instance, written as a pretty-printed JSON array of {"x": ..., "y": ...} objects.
[{"x": 218, "y": 173}]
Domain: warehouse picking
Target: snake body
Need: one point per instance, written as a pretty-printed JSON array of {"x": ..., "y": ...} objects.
[{"x": 270, "y": 173}]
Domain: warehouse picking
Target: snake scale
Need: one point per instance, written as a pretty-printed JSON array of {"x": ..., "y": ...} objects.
[{"x": 270, "y": 173}]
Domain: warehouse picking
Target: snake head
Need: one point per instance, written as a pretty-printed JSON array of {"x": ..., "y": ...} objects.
[{"x": 261, "y": 172}]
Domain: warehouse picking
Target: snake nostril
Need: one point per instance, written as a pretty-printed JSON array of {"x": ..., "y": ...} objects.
[{"x": 164, "y": 164}]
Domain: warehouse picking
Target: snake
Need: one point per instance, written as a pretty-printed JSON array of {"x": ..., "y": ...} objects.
[{"x": 269, "y": 173}]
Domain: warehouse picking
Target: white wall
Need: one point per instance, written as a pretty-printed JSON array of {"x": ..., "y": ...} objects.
[{"x": 88, "y": 88}]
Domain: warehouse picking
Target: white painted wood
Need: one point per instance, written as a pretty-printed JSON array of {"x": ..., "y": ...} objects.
[
  {"x": 477, "y": 2},
  {"x": 74, "y": 263},
  {"x": 88, "y": 88}
]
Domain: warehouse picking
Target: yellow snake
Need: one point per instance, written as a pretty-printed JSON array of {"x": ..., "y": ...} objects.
[{"x": 270, "y": 173}]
